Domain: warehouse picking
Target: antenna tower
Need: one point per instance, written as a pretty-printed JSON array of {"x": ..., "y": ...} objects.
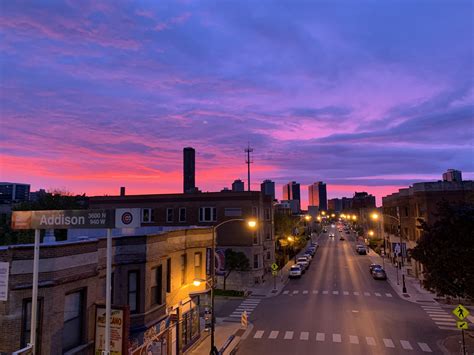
[{"x": 248, "y": 161}]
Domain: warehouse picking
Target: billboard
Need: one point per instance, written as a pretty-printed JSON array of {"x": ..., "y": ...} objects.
[{"x": 118, "y": 330}]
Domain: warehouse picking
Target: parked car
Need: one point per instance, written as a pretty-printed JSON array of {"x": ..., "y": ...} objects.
[
  {"x": 314, "y": 245},
  {"x": 311, "y": 251},
  {"x": 379, "y": 274},
  {"x": 361, "y": 249},
  {"x": 325, "y": 230},
  {"x": 308, "y": 256},
  {"x": 295, "y": 271},
  {"x": 374, "y": 266},
  {"x": 304, "y": 262}
]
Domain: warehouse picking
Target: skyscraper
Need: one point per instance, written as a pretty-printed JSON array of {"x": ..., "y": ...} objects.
[
  {"x": 291, "y": 191},
  {"x": 452, "y": 175},
  {"x": 189, "y": 183},
  {"x": 318, "y": 195},
  {"x": 268, "y": 188},
  {"x": 238, "y": 185}
]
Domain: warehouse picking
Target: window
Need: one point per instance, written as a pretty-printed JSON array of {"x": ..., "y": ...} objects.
[
  {"x": 268, "y": 234},
  {"x": 168, "y": 275},
  {"x": 255, "y": 212},
  {"x": 255, "y": 238},
  {"x": 169, "y": 215},
  {"x": 148, "y": 215},
  {"x": 269, "y": 255},
  {"x": 267, "y": 214},
  {"x": 207, "y": 214},
  {"x": 197, "y": 265},
  {"x": 182, "y": 214},
  {"x": 233, "y": 212},
  {"x": 255, "y": 261},
  {"x": 406, "y": 211},
  {"x": 133, "y": 291},
  {"x": 26, "y": 322},
  {"x": 157, "y": 285},
  {"x": 184, "y": 261},
  {"x": 73, "y": 328}
]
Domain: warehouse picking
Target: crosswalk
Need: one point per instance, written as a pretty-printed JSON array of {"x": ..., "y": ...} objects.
[
  {"x": 336, "y": 293},
  {"x": 341, "y": 338},
  {"x": 248, "y": 305},
  {"x": 442, "y": 319}
]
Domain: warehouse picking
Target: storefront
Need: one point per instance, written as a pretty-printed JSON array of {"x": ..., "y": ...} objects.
[
  {"x": 190, "y": 324},
  {"x": 155, "y": 340}
]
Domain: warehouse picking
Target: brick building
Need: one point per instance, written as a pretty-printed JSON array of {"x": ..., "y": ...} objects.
[
  {"x": 210, "y": 209},
  {"x": 153, "y": 275}
]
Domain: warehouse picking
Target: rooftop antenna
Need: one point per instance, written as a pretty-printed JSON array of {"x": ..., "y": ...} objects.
[{"x": 248, "y": 161}]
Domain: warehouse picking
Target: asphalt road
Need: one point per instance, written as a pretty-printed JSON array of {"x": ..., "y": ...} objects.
[{"x": 338, "y": 308}]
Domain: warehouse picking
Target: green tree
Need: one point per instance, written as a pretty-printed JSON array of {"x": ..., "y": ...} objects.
[
  {"x": 446, "y": 250},
  {"x": 235, "y": 261}
]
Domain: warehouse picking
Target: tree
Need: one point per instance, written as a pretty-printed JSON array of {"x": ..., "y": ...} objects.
[
  {"x": 235, "y": 261},
  {"x": 446, "y": 251}
]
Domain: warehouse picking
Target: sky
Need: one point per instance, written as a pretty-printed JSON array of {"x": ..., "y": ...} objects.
[{"x": 363, "y": 95}]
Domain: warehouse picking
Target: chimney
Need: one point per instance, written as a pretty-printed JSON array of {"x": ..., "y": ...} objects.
[{"x": 122, "y": 191}]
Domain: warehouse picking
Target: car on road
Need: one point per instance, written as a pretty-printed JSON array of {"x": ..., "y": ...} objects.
[
  {"x": 304, "y": 262},
  {"x": 379, "y": 274},
  {"x": 325, "y": 230},
  {"x": 295, "y": 271},
  {"x": 361, "y": 249},
  {"x": 331, "y": 235},
  {"x": 374, "y": 266},
  {"x": 347, "y": 232}
]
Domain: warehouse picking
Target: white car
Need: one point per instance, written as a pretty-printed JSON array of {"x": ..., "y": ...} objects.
[
  {"x": 303, "y": 261},
  {"x": 295, "y": 271}
]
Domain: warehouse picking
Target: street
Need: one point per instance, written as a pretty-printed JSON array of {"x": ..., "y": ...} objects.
[{"x": 336, "y": 307}]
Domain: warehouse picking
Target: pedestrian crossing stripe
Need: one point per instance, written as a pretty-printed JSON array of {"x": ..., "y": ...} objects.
[{"x": 334, "y": 292}]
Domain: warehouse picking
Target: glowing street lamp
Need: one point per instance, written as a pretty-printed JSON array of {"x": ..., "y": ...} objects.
[
  {"x": 371, "y": 233},
  {"x": 354, "y": 217},
  {"x": 307, "y": 217},
  {"x": 375, "y": 216}
]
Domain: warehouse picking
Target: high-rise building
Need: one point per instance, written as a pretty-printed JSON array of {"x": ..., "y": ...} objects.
[
  {"x": 291, "y": 191},
  {"x": 11, "y": 192},
  {"x": 238, "y": 185},
  {"x": 335, "y": 204},
  {"x": 362, "y": 200},
  {"x": 267, "y": 187},
  {"x": 452, "y": 175},
  {"x": 189, "y": 170},
  {"x": 318, "y": 195}
]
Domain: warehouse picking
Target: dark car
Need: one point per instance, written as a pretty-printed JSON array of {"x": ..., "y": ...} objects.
[
  {"x": 361, "y": 250},
  {"x": 379, "y": 274},
  {"x": 374, "y": 266}
]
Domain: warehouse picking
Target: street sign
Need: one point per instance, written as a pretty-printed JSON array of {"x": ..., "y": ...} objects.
[
  {"x": 244, "y": 319},
  {"x": 63, "y": 219},
  {"x": 460, "y": 312},
  {"x": 274, "y": 273},
  {"x": 461, "y": 324},
  {"x": 274, "y": 267}
]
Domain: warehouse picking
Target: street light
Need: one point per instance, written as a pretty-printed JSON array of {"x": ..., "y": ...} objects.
[
  {"x": 375, "y": 216},
  {"x": 371, "y": 233},
  {"x": 252, "y": 223}
]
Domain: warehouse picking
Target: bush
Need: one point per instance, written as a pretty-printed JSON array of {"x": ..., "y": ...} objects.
[{"x": 228, "y": 293}]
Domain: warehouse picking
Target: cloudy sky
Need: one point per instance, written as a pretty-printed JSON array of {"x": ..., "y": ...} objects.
[{"x": 364, "y": 95}]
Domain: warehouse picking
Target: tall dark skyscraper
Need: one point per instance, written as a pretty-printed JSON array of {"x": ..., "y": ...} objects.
[
  {"x": 189, "y": 169},
  {"x": 291, "y": 191},
  {"x": 318, "y": 195},
  {"x": 268, "y": 188}
]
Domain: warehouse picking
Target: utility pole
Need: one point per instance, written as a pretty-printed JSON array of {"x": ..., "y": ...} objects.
[{"x": 248, "y": 161}]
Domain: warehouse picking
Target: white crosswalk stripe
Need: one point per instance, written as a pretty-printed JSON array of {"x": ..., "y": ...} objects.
[
  {"x": 286, "y": 292},
  {"x": 378, "y": 294},
  {"x": 453, "y": 323},
  {"x": 370, "y": 341},
  {"x": 258, "y": 334},
  {"x": 305, "y": 292},
  {"x": 336, "y": 338},
  {"x": 425, "y": 347},
  {"x": 388, "y": 294},
  {"x": 335, "y": 292},
  {"x": 388, "y": 343},
  {"x": 304, "y": 336},
  {"x": 315, "y": 292},
  {"x": 320, "y": 336},
  {"x": 273, "y": 334},
  {"x": 356, "y": 293},
  {"x": 325, "y": 292},
  {"x": 353, "y": 339},
  {"x": 295, "y": 292},
  {"x": 406, "y": 345},
  {"x": 440, "y": 317},
  {"x": 346, "y": 293},
  {"x": 288, "y": 335},
  {"x": 366, "y": 294}
]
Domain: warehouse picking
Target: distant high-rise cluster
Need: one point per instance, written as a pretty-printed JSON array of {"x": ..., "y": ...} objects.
[
  {"x": 318, "y": 195},
  {"x": 291, "y": 192},
  {"x": 189, "y": 170}
]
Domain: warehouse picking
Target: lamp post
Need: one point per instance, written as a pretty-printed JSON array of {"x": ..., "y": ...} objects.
[
  {"x": 375, "y": 216},
  {"x": 251, "y": 224}
]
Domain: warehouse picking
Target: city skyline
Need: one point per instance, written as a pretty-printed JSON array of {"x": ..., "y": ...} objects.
[{"x": 98, "y": 96}]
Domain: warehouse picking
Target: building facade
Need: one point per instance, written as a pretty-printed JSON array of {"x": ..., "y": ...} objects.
[
  {"x": 210, "y": 209},
  {"x": 317, "y": 195},
  {"x": 291, "y": 191},
  {"x": 152, "y": 281},
  {"x": 267, "y": 187},
  {"x": 335, "y": 204},
  {"x": 238, "y": 186},
  {"x": 12, "y": 192},
  {"x": 189, "y": 169}
]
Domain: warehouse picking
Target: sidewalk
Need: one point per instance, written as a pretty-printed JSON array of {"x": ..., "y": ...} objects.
[{"x": 415, "y": 292}]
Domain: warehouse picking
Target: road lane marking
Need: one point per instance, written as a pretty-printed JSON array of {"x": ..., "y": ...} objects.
[
  {"x": 336, "y": 338},
  {"x": 437, "y": 312},
  {"x": 286, "y": 292},
  {"x": 425, "y": 347},
  {"x": 295, "y": 292},
  {"x": 320, "y": 336},
  {"x": 388, "y": 343},
  {"x": 442, "y": 319},
  {"x": 305, "y": 292},
  {"x": 288, "y": 335},
  {"x": 353, "y": 339},
  {"x": 346, "y": 293},
  {"x": 273, "y": 334},
  {"x": 453, "y": 323},
  {"x": 406, "y": 345},
  {"x": 315, "y": 292},
  {"x": 388, "y": 294},
  {"x": 449, "y": 328},
  {"x": 378, "y": 294},
  {"x": 370, "y": 341},
  {"x": 366, "y": 294},
  {"x": 335, "y": 292},
  {"x": 325, "y": 292},
  {"x": 251, "y": 301},
  {"x": 304, "y": 336},
  {"x": 258, "y": 334},
  {"x": 356, "y": 293}
]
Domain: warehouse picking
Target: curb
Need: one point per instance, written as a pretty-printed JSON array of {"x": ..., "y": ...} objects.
[{"x": 233, "y": 347}]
